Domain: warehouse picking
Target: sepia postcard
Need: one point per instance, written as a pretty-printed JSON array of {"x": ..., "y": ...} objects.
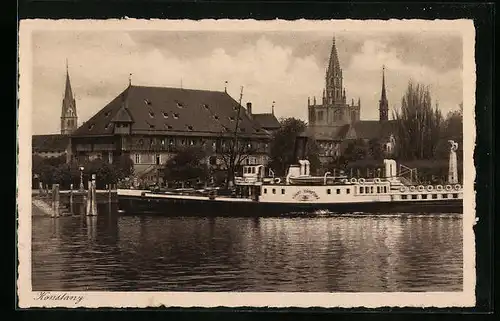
[{"x": 244, "y": 163}]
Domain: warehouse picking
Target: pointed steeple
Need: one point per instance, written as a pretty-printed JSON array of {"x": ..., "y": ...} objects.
[
  {"x": 383, "y": 103},
  {"x": 334, "y": 87},
  {"x": 69, "y": 118},
  {"x": 68, "y": 92},
  {"x": 334, "y": 58}
]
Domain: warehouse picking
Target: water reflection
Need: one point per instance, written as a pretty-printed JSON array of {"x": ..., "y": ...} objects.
[{"x": 327, "y": 254}]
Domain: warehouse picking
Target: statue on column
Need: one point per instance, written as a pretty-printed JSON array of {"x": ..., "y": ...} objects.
[{"x": 453, "y": 169}]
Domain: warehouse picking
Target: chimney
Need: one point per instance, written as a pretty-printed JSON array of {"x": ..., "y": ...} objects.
[{"x": 249, "y": 109}]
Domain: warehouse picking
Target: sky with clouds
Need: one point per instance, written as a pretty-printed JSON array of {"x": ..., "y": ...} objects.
[{"x": 282, "y": 66}]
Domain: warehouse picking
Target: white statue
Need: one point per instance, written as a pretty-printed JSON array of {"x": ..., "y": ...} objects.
[{"x": 453, "y": 169}]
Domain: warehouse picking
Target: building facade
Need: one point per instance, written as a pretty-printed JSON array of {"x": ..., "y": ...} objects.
[
  {"x": 151, "y": 124},
  {"x": 334, "y": 122}
]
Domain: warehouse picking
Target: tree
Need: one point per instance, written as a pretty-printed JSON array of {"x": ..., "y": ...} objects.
[
  {"x": 124, "y": 166},
  {"x": 417, "y": 124},
  {"x": 356, "y": 150},
  {"x": 233, "y": 153},
  {"x": 282, "y": 151},
  {"x": 375, "y": 149},
  {"x": 186, "y": 165}
]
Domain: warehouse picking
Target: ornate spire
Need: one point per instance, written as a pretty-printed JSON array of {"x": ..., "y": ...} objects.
[{"x": 334, "y": 59}]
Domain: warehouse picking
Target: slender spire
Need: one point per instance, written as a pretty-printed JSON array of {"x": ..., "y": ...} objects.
[
  {"x": 68, "y": 92},
  {"x": 69, "y": 117},
  {"x": 384, "y": 96},
  {"x": 383, "y": 103},
  {"x": 272, "y": 107}
]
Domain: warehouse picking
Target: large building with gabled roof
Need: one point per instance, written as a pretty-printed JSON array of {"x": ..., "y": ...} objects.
[{"x": 150, "y": 124}]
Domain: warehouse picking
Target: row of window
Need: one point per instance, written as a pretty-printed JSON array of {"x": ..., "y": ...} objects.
[
  {"x": 371, "y": 189},
  {"x": 425, "y": 196}
]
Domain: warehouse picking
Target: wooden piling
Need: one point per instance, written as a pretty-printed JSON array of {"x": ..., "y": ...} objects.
[
  {"x": 89, "y": 197},
  {"x": 71, "y": 199},
  {"x": 94, "y": 196},
  {"x": 55, "y": 200}
]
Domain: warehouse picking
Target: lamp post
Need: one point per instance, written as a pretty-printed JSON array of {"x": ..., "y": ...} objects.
[{"x": 81, "y": 178}]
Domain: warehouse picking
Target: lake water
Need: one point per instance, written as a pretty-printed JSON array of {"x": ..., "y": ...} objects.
[{"x": 310, "y": 254}]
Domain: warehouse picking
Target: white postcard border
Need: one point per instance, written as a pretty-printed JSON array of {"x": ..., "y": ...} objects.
[{"x": 28, "y": 298}]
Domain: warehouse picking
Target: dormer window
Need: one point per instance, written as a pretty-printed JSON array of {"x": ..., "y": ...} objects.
[
  {"x": 107, "y": 126},
  {"x": 168, "y": 126},
  {"x": 147, "y": 102},
  {"x": 165, "y": 115},
  {"x": 179, "y": 104},
  {"x": 190, "y": 127},
  {"x": 106, "y": 114},
  {"x": 216, "y": 117},
  {"x": 151, "y": 114},
  {"x": 176, "y": 116},
  {"x": 205, "y": 106},
  {"x": 151, "y": 126},
  {"x": 231, "y": 118},
  {"x": 91, "y": 126}
]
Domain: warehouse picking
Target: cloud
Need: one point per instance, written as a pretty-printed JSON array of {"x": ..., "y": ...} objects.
[{"x": 283, "y": 67}]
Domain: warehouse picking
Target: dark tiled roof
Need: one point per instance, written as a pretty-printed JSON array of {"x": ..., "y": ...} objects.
[
  {"x": 49, "y": 143},
  {"x": 159, "y": 110},
  {"x": 328, "y": 132},
  {"x": 267, "y": 121},
  {"x": 370, "y": 129}
]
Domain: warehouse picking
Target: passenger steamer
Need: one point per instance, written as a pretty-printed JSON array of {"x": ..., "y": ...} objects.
[{"x": 299, "y": 192}]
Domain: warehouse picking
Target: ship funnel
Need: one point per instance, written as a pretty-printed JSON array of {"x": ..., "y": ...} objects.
[
  {"x": 390, "y": 168},
  {"x": 300, "y": 151}
]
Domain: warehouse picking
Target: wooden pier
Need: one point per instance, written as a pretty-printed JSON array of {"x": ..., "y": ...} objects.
[{"x": 56, "y": 203}]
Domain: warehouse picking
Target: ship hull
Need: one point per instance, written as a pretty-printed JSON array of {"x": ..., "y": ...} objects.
[{"x": 137, "y": 205}]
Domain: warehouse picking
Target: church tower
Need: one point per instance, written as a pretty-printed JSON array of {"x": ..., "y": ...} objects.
[
  {"x": 383, "y": 103},
  {"x": 334, "y": 90},
  {"x": 69, "y": 117}
]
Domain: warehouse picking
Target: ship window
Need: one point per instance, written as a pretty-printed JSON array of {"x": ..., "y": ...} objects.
[
  {"x": 361, "y": 189},
  {"x": 434, "y": 196},
  {"x": 338, "y": 190},
  {"x": 265, "y": 190},
  {"x": 385, "y": 189},
  {"x": 348, "y": 191},
  {"x": 165, "y": 115},
  {"x": 282, "y": 191},
  {"x": 328, "y": 191},
  {"x": 404, "y": 197},
  {"x": 274, "y": 190},
  {"x": 414, "y": 197},
  {"x": 151, "y": 114},
  {"x": 371, "y": 189},
  {"x": 455, "y": 195},
  {"x": 445, "y": 195},
  {"x": 424, "y": 196},
  {"x": 176, "y": 116},
  {"x": 378, "y": 189}
]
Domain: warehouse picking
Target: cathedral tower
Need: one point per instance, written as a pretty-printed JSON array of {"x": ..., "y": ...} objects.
[
  {"x": 383, "y": 103},
  {"x": 69, "y": 117}
]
